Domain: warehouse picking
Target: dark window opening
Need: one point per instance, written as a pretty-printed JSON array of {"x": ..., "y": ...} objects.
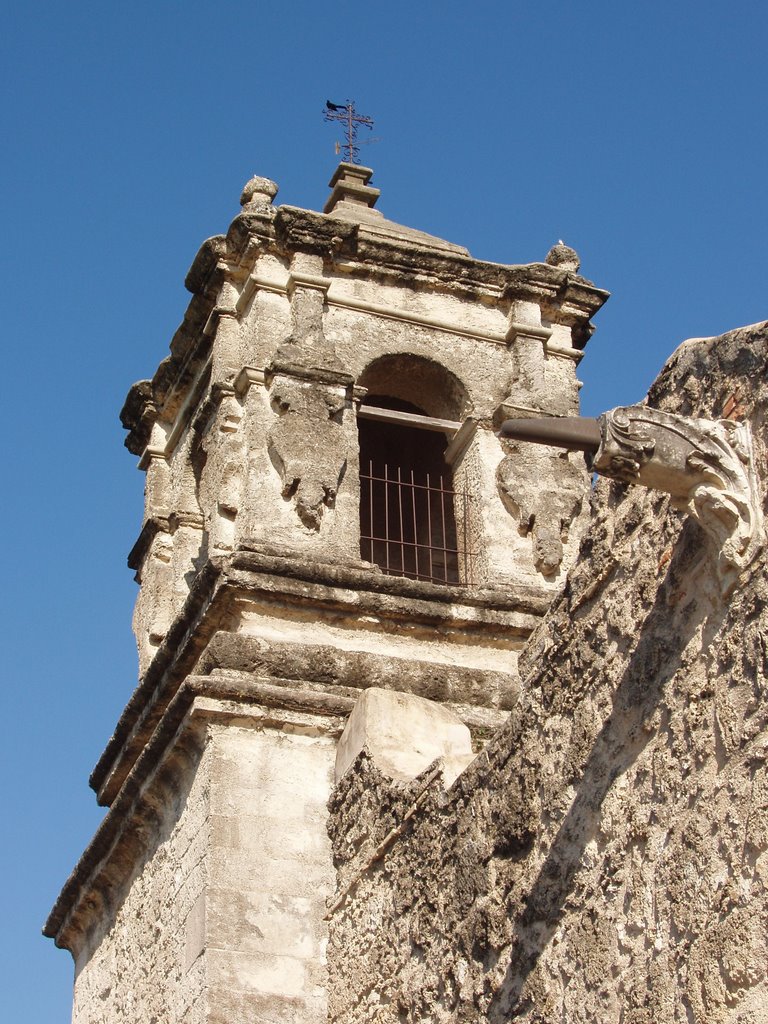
[{"x": 407, "y": 500}]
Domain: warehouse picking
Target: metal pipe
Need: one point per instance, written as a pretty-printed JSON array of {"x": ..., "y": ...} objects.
[{"x": 576, "y": 433}]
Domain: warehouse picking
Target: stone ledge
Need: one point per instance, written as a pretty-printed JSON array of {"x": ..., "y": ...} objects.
[
  {"x": 350, "y": 671},
  {"x": 363, "y": 577}
]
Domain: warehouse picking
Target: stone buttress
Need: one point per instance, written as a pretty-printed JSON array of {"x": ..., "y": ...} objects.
[{"x": 328, "y": 509}]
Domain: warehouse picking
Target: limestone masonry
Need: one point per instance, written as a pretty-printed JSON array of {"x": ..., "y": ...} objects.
[{"x": 426, "y": 730}]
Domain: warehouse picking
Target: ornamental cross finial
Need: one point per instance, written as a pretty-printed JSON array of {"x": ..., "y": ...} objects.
[{"x": 347, "y": 115}]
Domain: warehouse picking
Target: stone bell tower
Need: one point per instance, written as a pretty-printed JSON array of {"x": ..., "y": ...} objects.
[{"x": 328, "y": 509}]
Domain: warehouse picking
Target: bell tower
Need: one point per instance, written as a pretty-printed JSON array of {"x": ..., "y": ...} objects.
[{"x": 328, "y": 510}]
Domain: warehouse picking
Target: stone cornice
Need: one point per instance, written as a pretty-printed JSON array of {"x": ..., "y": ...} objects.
[
  {"x": 224, "y": 584},
  {"x": 200, "y": 275},
  {"x": 569, "y": 298}
]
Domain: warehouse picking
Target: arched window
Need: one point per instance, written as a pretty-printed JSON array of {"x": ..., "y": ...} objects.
[{"x": 408, "y": 506}]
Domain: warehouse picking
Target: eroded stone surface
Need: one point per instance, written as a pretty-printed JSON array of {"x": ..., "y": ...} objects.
[
  {"x": 606, "y": 858},
  {"x": 167, "y": 897}
]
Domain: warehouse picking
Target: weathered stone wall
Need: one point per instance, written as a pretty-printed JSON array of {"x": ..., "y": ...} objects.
[
  {"x": 123, "y": 973},
  {"x": 271, "y": 872},
  {"x": 605, "y": 859},
  {"x": 220, "y": 920}
]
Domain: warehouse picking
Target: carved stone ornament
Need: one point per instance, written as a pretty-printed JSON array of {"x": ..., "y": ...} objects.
[
  {"x": 544, "y": 512},
  {"x": 258, "y": 194},
  {"x": 705, "y": 465},
  {"x": 307, "y": 444}
]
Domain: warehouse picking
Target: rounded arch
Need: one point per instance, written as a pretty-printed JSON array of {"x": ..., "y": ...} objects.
[
  {"x": 407, "y": 507},
  {"x": 420, "y": 382}
]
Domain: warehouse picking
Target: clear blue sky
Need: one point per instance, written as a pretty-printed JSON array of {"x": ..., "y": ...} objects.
[{"x": 634, "y": 131}]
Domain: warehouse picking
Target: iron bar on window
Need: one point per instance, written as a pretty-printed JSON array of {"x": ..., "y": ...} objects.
[{"x": 410, "y": 526}]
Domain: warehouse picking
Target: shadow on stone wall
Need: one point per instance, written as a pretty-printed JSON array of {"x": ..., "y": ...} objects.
[{"x": 663, "y": 640}]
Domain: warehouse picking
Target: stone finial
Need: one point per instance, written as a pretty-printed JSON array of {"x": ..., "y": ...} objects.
[
  {"x": 258, "y": 194},
  {"x": 350, "y": 185},
  {"x": 564, "y": 257}
]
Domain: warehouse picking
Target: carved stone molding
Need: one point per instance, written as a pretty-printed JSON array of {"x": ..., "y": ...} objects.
[
  {"x": 626, "y": 444},
  {"x": 247, "y": 378},
  {"x": 705, "y": 465}
]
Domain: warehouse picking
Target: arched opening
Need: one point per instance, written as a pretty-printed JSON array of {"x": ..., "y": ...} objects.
[{"x": 407, "y": 502}]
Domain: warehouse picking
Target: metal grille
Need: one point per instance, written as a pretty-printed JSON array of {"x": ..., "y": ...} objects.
[{"x": 408, "y": 525}]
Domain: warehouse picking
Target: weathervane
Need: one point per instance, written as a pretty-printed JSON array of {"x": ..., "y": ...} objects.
[{"x": 350, "y": 119}]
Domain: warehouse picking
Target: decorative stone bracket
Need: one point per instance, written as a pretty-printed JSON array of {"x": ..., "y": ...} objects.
[
  {"x": 544, "y": 494},
  {"x": 706, "y": 466}
]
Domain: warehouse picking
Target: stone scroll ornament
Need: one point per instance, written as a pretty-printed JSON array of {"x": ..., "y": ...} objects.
[
  {"x": 307, "y": 445},
  {"x": 705, "y": 465}
]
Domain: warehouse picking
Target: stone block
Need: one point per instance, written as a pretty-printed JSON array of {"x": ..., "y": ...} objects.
[
  {"x": 404, "y": 734},
  {"x": 265, "y": 923},
  {"x": 281, "y": 976}
]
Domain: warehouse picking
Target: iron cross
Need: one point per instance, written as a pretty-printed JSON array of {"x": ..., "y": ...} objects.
[{"x": 346, "y": 114}]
